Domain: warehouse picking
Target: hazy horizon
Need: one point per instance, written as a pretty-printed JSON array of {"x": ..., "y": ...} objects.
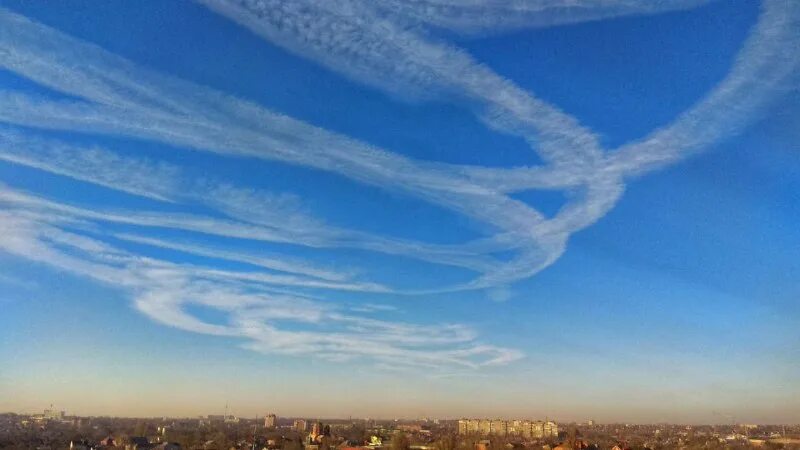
[
  {"x": 331, "y": 419},
  {"x": 566, "y": 209}
]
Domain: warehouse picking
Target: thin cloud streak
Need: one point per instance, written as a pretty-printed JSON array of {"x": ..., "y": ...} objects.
[
  {"x": 235, "y": 229},
  {"x": 352, "y": 158},
  {"x": 766, "y": 66},
  {"x": 280, "y": 263},
  {"x": 118, "y": 98},
  {"x": 479, "y": 17},
  {"x": 94, "y": 165},
  {"x": 349, "y": 37},
  {"x": 163, "y": 290}
]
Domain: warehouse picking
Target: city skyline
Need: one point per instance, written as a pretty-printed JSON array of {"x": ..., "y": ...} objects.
[
  {"x": 512, "y": 426},
  {"x": 216, "y": 432},
  {"x": 387, "y": 209}
]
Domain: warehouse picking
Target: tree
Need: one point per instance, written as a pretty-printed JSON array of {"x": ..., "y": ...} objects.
[
  {"x": 447, "y": 442},
  {"x": 400, "y": 441},
  {"x": 292, "y": 444},
  {"x": 221, "y": 441},
  {"x": 325, "y": 442},
  {"x": 496, "y": 443},
  {"x": 572, "y": 437},
  {"x": 141, "y": 429}
]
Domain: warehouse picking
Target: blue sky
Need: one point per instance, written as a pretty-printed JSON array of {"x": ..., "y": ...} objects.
[{"x": 414, "y": 208}]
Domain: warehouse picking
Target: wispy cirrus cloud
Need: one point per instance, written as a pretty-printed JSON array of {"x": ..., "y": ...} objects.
[
  {"x": 370, "y": 42},
  {"x": 277, "y": 137},
  {"x": 165, "y": 291},
  {"x": 136, "y": 176},
  {"x": 374, "y": 308},
  {"x": 490, "y": 17},
  {"x": 354, "y": 39},
  {"x": 281, "y": 263}
]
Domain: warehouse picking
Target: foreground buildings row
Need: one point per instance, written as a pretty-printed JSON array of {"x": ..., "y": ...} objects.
[{"x": 536, "y": 429}]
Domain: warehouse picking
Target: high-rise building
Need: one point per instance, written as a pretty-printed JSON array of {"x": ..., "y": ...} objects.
[
  {"x": 53, "y": 414},
  {"x": 484, "y": 426},
  {"x": 498, "y": 427},
  {"x": 550, "y": 428},
  {"x": 300, "y": 425},
  {"x": 525, "y": 428},
  {"x": 538, "y": 429},
  {"x": 271, "y": 421},
  {"x": 316, "y": 429}
]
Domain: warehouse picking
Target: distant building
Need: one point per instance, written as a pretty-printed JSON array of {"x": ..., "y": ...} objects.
[
  {"x": 168, "y": 446},
  {"x": 525, "y": 428},
  {"x": 549, "y": 428},
  {"x": 579, "y": 444},
  {"x": 785, "y": 441},
  {"x": 52, "y": 414},
  {"x": 317, "y": 431},
  {"x": 138, "y": 443},
  {"x": 271, "y": 421},
  {"x": 300, "y": 425},
  {"x": 108, "y": 442},
  {"x": 81, "y": 444},
  {"x": 498, "y": 427}
]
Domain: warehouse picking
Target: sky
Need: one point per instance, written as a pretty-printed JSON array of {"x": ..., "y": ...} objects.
[{"x": 560, "y": 209}]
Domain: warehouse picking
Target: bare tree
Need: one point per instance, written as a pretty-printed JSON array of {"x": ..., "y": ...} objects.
[
  {"x": 447, "y": 442},
  {"x": 400, "y": 441}
]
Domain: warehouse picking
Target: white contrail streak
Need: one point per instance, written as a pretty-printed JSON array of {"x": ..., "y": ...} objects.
[{"x": 388, "y": 45}]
